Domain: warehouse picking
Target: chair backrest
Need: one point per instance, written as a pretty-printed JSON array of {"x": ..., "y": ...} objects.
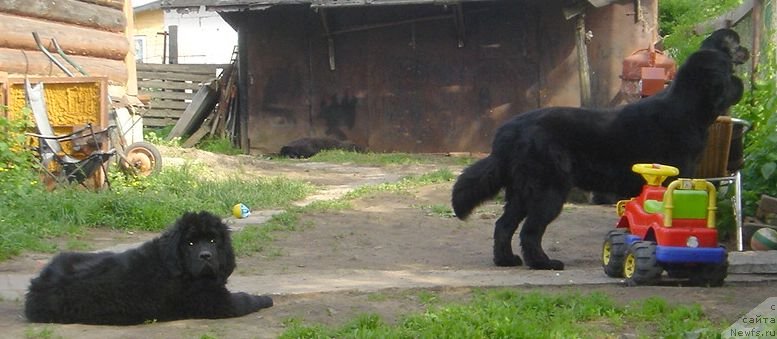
[
  {"x": 714, "y": 160},
  {"x": 37, "y": 102}
]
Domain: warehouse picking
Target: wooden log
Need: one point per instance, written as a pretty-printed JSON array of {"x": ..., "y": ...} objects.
[
  {"x": 15, "y": 61},
  {"x": 118, "y": 4},
  {"x": 68, "y": 11},
  {"x": 74, "y": 40}
]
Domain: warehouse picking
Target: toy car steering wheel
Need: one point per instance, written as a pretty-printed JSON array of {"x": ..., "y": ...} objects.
[{"x": 655, "y": 174}]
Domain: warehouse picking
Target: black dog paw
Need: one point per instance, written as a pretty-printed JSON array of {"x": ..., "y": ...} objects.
[
  {"x": 509, "y": 261},
  {"x": 262, "y": 301},
  {"x": 551, "y": 264}
]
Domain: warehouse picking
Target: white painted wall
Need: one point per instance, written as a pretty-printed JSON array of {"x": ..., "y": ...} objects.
[{"x": 203, "y": 37}]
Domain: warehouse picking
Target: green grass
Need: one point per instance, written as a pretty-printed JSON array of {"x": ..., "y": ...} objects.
[
  {"x": 219, "y": 145},
  {"x": 507, "y": 313},
  {"x": 404, "y": 184},
  {"x": 30, "y": 218}
]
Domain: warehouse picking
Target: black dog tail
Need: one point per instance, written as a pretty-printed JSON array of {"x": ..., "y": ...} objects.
[{"x": 479, "y": 182}]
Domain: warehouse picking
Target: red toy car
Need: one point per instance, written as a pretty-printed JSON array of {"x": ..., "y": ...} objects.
[{"x": 666, "y": 228}]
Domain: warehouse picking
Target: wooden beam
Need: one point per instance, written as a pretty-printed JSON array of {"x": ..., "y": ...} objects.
[
  {"x": 156, "y": 122},
  {"x": 167, "y": 95},
  {"x": 163, "y": 113},
  {"x": 131, "y": 88},
  {"x": 16, "y": 61},
  {"x": 584, "y": 68},
  {"x": 204, "y": 69},
  {"x": 171, "y": 85},
  {"x": 68, "y": 11},
  {"x": 168, "y": 104},
  {"x": 174, "y": 76},
  {"x": 201, "y": 104},
  {"x": 172, "y": 42},
  {"x": 74, "y": 40}
]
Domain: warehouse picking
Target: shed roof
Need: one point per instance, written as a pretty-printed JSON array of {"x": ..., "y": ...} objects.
[
  {"x": 151, "y": 6},
  {"x": 240, "y": 5}
]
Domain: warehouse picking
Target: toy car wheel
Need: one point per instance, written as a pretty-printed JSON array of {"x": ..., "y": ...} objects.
[
  {"x": 639, "y": 265},
  {"x": 613, "y": 252},
  {"x": 710, "y": 275},
  {"x": 678, "y": 272}
]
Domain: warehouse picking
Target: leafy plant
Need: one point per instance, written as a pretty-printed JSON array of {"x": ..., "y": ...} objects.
[
  {"x": 677, "y": 20},
  {"x": 158, "y": 136},
  {"x": 17, "y": 160},
  {"x": 758, "y": 107}
]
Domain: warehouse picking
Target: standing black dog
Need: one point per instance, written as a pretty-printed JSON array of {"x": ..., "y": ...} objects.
[
  {"x": 181, "y": 274},
  {"x": 538, "y": 156}
]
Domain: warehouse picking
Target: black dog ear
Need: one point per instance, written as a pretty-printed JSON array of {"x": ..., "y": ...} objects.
[
  {"x": 229, "y": 256},
  {"x": 170, "y": 244}
]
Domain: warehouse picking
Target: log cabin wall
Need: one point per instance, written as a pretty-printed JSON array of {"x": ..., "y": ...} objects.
[
  {"x": 407, "y": 85},
  {"x": 91, "y": 32}
]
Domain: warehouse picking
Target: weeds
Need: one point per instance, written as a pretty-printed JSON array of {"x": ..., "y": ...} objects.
[
  {"x": 507, "y": 313},
  {"x": 148, "y": 204}
]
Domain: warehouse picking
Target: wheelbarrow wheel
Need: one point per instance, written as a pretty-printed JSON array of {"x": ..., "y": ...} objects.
[{"x": 142, "y": 158}]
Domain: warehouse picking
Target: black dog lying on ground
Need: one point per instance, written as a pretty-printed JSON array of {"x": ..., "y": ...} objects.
[
  {"x": 181, "y": 274},
  {"x": 308, "y": 147},
  {"x": 538, "y": 156}
]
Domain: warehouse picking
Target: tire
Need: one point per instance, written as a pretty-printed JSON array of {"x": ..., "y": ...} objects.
[
  {"x": 679, "y": 272},
  {"x": 711, "y": 275},
  {"x": 640, "y": 266},
  {"x": 613, "y": 253},
  {"x": 142, "y": 158}
]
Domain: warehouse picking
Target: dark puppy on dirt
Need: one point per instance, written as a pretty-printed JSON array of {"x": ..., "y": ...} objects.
[
  {"x": 308, "y": 147},
  {"x": 179, "y": 275},
  {"x": 538, "y": 156}
]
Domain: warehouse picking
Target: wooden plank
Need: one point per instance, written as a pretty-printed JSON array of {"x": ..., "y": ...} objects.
[
  {"x": 197, "y": 136},
  {"x": 205, "y": 69},
  {"x": 74, "y": 40},
  {"x": 167, "y": 95},
  {"x": 174, "y": 76},
  {"x": 202, "y": 103},
  {"x": 118, "y": 4},
  {"x": 168, "y": 85},
  {"x": 163, "y": 113},
  {"x": 15, "y": 61},
  {"x": 156, "y": 122},
  {"x": 68, "y": 11},
  {"x": 168, "y": 104}
]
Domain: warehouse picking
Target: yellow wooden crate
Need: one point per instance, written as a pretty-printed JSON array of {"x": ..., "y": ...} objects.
[{"x": 70, "y": 102}]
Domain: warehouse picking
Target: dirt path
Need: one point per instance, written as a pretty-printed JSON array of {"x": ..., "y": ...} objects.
[{"x": 376, "y": 258}]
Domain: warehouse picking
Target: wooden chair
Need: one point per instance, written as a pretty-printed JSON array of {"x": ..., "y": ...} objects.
[{"x": 722, "y": 160}]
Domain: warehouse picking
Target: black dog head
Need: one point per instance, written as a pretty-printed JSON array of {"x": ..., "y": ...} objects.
[
  {"x": 727, "y": 41},
  {"x": 198, "y": 245}
]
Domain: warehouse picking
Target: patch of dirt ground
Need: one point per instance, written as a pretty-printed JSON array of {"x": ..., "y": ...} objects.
[{"x": 383, "y": 235}]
